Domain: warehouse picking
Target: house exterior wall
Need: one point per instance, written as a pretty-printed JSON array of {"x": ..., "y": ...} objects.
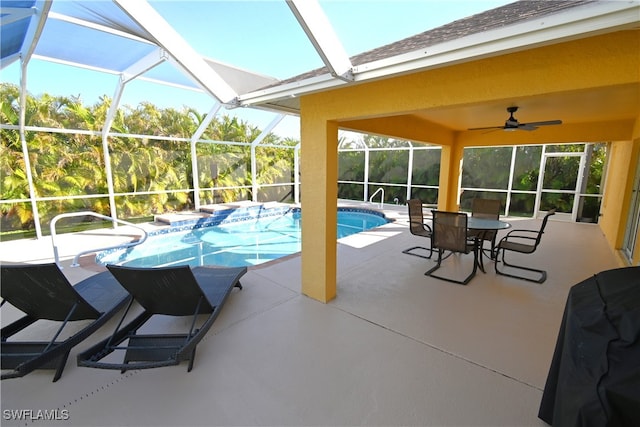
[
  {"x": 392, "y": 107},
  {"x": 623, "y": 164},
  {"x": 634, "y": 167}
]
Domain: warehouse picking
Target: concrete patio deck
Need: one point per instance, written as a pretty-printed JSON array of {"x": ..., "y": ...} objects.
[{"x": 394, "y": 348}]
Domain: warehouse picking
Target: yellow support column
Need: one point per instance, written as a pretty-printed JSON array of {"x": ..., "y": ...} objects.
[
  {"x": 450, "y": 175},
  {"x": 319, "y": 195}
]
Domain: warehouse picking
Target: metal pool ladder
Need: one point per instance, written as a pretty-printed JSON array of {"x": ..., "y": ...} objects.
[{"x": 97, "y": 215}]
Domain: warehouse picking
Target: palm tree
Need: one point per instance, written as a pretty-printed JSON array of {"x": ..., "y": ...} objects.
[{"x": 73, "y": 164}]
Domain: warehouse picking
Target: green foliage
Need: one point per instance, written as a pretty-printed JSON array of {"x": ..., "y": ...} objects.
[
  {"x": 486, "y": 167},
  {"x": 388, "y": 163},
  {"x": 351, "y": 166},
  {"x": 152, "y": 176},
  {"x": 388, "y": 166},
  {"x": 72, "y": 164},
  {"x": 527, "y": 167},
  {"x": 426, "y": 168}
]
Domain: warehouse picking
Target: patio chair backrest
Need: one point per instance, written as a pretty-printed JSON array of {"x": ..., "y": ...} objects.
[
  {"x": 450, "y": 231},
  {"x": 163, "y": 290},
  {"x": 42, "y": 292},
  {"x": 416, "y": 217},
  {"x": 544, "y": 225},
  {"x": 485, "y": 208}
]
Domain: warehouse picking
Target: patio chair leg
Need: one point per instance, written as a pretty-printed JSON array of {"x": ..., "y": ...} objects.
[
  {"x": 542, "y": 273},
  {"x": 435, "y": 267},
  {"x": 479, "y": 254},
  {"x": 459, "y": 282},
  {"x": 409, "y": 252}
]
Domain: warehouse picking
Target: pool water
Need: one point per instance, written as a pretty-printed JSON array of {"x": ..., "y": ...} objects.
[{"x": 234, "y": 244}]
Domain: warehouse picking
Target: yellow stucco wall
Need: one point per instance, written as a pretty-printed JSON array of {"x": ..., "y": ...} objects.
[
  {"x": 623, "y": 164},
  {"x": 391, "y": 107},
  {"x": 611, "y": 60},
  {"x": 630, "y": 179},
  {"x": 619, "y": 181}
]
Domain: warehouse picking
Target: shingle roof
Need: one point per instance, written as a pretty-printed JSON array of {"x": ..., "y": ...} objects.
[{"x": 503, "y": 16}]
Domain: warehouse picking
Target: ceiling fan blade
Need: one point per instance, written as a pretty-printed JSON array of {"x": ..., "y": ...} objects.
[
  {"x": 512, "y": 124},
  {"x": 485, "y": 128},
  {"x": 545, "y": 123}
]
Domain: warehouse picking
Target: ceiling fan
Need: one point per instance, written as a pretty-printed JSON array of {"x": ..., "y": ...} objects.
[{"x": 513, "y": 124}]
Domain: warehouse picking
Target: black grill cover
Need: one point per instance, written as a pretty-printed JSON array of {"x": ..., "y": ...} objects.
[{"x": 594, "y": 379}]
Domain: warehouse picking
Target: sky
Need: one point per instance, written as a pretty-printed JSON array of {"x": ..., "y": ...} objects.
[{"x": 262, "y": 36}]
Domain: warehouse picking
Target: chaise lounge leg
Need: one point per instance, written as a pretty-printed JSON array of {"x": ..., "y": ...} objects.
[
  {"x": 191, "y": 360},
  {"x": 61, "y": 365}
]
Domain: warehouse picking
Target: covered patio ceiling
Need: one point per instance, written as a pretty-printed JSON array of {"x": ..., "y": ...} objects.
[
  {"x": 576, "y": 107},
  {"x": 130, "y": 39}
]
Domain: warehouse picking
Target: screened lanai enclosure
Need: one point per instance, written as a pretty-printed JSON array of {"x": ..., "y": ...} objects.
[
  {"x": 185, "y": 162},
  {"x": 526, "y": 179},
  {"x": 60, "y": 155},
  {"x": 381, "y": 126},
  {"x": 178, "y": 161}
]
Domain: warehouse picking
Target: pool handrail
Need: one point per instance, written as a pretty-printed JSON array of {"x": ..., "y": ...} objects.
[
  {"x": 75, "y": 262},
  {"x": 379, "y": 190}
]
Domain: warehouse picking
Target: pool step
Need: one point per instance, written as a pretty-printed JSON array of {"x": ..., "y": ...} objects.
[
  {"x": 218, "y": 211},
  {"x": 178, "y": 218},
  {"x": 217, "y": 207}
]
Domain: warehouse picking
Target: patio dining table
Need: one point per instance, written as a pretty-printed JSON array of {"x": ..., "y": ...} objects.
[{"x": 483, "y": 226}]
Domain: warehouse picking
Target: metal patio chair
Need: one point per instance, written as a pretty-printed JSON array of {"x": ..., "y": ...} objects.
[
  {"x": 524, "y": 242},
  {"x": 489, "y": 209},
  {"x": 419, "y": 228},
  {"x": 450, "y": 234}
]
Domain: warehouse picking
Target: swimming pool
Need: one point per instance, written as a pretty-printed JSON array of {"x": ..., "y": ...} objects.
[{"x": 239, "y": 239}]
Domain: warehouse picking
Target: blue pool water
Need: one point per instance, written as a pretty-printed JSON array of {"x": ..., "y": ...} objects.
[{"x": 250, "y": 240}]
